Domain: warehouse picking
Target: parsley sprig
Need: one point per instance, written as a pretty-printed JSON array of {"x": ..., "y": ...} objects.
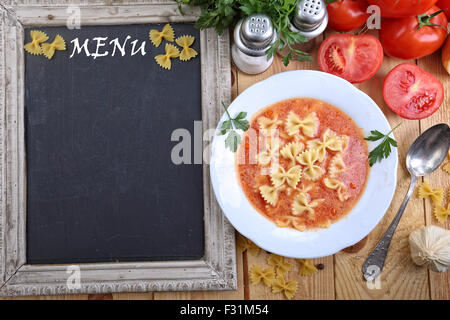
[
  {"x": 230, "y": 126},
  {"x": 221, "y": 14},
  {"x": 383, "y": 150}
]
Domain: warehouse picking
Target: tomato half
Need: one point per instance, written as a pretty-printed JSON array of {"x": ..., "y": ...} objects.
[
  {"x": 347, "y": 15},
  {"x": 411, "y": 92},
  {"x": 444, "y": 4},
  {"x": 402, "y": 38},
  {"x": 354, "y": 58},
  {"x": 402, "y": 8}
]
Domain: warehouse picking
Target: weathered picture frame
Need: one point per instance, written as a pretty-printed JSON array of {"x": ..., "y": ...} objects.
[{"x": 215, "y": 271}]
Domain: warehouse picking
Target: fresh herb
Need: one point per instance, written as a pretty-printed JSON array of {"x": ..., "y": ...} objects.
[
  {"x": 383, "y": 150},
  {"x": 230, "y": 126},
  {"x": 221, "y": 14}
]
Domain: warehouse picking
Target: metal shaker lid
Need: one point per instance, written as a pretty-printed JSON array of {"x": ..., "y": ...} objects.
[
  {"x": 254, "y": 34},
  {"x": 310, "y": 18}
]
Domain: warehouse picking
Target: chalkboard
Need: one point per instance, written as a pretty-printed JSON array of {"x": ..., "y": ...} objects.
[{"x": 101, "y": 185}]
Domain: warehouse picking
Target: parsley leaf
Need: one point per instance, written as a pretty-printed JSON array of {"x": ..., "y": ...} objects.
[
  {"x": 221, "y": 14},
  {"x": 383, "y": 150},
  {"x": 229, "y": 126}
]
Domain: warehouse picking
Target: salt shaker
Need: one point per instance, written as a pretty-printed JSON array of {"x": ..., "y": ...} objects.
[
  {"x": 252, "y": 37},
  {"x": 310, "y": 19}
]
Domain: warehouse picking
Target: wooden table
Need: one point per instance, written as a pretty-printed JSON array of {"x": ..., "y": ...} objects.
[{"x": 341, "y": 277}]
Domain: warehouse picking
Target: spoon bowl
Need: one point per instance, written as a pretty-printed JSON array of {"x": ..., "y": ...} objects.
[{"x": 429, "y": 150}]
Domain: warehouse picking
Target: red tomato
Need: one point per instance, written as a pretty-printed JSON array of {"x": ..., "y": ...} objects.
[
  {"x": 354, "y": 58},
  {"x": 411, "y": 92},
  {"x": 444, "y": 4},
  {"x": 347, "y": 15},
  {"x": 402, "y": 38},
  {"x": 402, "y": 8}
]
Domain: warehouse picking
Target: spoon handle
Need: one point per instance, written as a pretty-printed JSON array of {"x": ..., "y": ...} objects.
[{"x": 375, "y": 262}]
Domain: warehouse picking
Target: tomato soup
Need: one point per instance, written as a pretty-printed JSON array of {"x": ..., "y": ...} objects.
[{"x": 302, "y": 163}]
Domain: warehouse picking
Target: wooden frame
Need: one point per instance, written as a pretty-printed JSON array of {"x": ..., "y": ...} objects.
[{"x": 215, "y": 271}]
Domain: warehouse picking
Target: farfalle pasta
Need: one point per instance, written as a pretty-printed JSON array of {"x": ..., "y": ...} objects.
[
  {"x": 308, "y": 126},
  {"x": 436, "y": 195},
  {"x": 48, "y": 49},
  {"x": 257, "y": 274},
  {"x": 308, "y": 159},
  {"x": 37, "y": 37},
  {"x": 164, "y": 60},
  {"x": 441, "y": 213},
  {"x": 306, "y": 267},
  {"x": 289, "y": 288},
  {"x": 282, "y": 266},
  {"x": 167, "y": 33},
  {"x": 313, "y": 167},
  {"x": 185, "y": 42}
]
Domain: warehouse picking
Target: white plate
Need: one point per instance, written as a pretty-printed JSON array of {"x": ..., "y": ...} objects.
[{"x": 288, "y": 242}]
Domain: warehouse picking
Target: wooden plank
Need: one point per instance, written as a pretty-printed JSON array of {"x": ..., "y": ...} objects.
[
  {"x": 400, "y": 279},
  {"x": 439, "y": 282}
]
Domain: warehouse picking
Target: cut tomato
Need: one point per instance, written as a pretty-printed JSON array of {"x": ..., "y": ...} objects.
[
  {"x": 411, "y": 92},
  {"x": 354, "y": 58}
]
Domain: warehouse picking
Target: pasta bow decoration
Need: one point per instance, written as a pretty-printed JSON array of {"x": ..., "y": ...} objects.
[
  {"x": 308, "y": 158},
  {"x": 244, "y": 244},
  {"x": 265, "y": 157},
  {"x": 277, "y": 261},
  {"x": 302, "y": 205},
  {"x": 441, "y": 213},
  {"x": 292, "y": 150},
  {"x": 37, "y": 37},
  {"x": 270, "y": 194},
  {"x": 436, "y": 195},
  {"x": 167, "y": 33},
  {"x": 306, "y": 267},
  {"x": 48, "y": 49},
  {"x": 339, "y": 186},
  {"x": 447, "y": 166},
  {"x": 267, "y": 125},
  {"x": 164, "y": 59},
  {"x": 289, "y": 288},
  {"x": 279, "y": 176},
  {"x": 337, "y": 166},
  {"x": 330, "y": 141},
  {"x": 185, "y": 42},
  {"x": 257, "y": 274},
  {"x": 309, "y": 125}
]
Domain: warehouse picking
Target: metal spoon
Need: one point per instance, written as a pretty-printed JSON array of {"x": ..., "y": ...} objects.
[{"x": 424, "y": 156}]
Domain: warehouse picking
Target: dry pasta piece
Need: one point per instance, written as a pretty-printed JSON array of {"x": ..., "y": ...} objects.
[
  {"x": 339, "y": 186},
  {"x": 446, "y": 167},
  {"x": 306, "y": 267},
  {"x": 164, "y": 59},
  {"x": 185, "y": 42},
  {"x": 289, "y": 288},
  {"x": 277, "y": 261},
  {"x": 292, "y": 150},
  {"x": 270, "y": 194},
  {"x": 302, "y": 205},
  {"x": 308, "y": 158},
  {"x": 309, "y": 125},
  {"x": 330, "y": 141},
  {"x": 264, "y": 158},
  {"x": 436, "y": 195},
  {"x": 267, "y": 125},
  {"x": 257, "y": 274},
  {"x": 167, "y": 33},
  {"x": 337, "y": 166},
  {"x": 243, "y": 244},
  {"x": 48, "y": 49},
  {"x": 279, "y": 176},
  {"x": 441, "y": 213},
  {"x": 34, "y": 47}
]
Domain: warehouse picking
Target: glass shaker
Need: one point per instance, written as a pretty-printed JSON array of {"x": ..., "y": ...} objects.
[
  {"x": 310, "y": 19},
  {"x": 252, "y": 37}
]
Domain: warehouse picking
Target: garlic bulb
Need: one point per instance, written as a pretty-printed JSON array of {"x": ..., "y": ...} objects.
[{"x": 430, "y": 246}]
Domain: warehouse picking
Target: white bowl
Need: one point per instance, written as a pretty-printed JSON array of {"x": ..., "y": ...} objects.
[{"x": 288, "y": 242}]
